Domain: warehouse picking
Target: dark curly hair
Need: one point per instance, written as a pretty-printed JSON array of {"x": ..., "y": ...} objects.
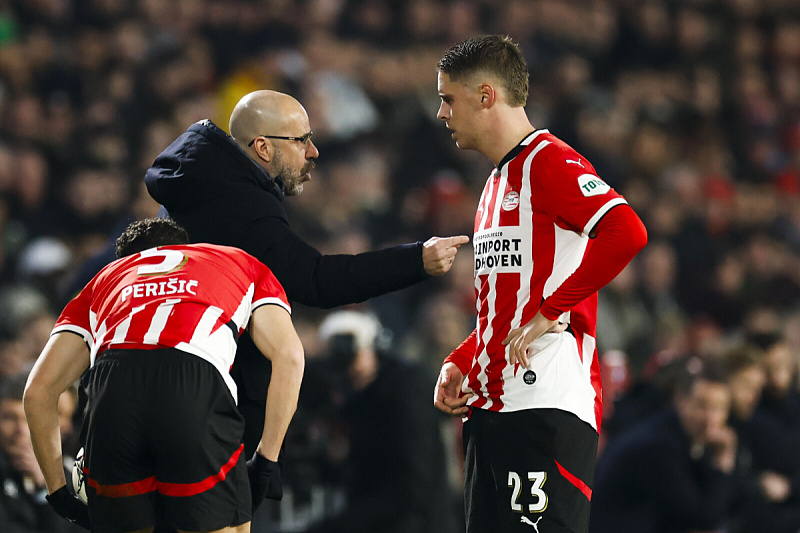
[
  {"x": 148, "y": 233},
  {"x": 496, "y": 55}
]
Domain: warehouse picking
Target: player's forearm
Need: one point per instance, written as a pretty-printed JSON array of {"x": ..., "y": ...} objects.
[
  {"x": 41, "y": 411},
  {"x": 284, "y": 388},
  {"x": 63, "y": 360},
  {"x": 620, "y": 236}
]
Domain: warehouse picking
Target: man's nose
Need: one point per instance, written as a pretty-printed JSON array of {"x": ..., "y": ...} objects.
[{"x": 312, "y": 152}]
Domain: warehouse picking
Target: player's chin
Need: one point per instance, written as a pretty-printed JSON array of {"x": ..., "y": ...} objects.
[{"x": 463, "y": 144}]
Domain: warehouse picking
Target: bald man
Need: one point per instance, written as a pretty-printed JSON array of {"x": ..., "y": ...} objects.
[
  {"x": 229, "y": 189},
  {"x": 287, "y": 157}
]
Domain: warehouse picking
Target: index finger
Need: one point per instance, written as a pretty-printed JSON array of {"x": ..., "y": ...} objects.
[{"x": 456, "y": 241}]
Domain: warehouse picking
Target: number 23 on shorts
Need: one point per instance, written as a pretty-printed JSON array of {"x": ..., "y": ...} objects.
[{"x": 537, "y": 480}]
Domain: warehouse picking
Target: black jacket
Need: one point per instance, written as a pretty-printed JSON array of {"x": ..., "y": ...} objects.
[
  {"x": 647, "y": 481},
  {"x": 212, "y": 188}
]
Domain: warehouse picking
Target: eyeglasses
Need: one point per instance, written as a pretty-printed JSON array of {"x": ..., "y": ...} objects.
[{"x": 304, "y": 139}]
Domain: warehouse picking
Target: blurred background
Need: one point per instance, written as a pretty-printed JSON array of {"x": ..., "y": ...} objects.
[{"x": 689, "y": 108}]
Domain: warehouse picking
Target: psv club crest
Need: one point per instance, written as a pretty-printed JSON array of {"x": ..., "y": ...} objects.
[{"x": 511, "y": 201}]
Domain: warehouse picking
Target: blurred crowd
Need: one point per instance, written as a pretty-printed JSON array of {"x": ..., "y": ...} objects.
[{"x": 690, "y": 108}]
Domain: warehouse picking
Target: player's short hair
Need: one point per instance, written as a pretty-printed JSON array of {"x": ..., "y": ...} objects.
[
  {"x": 496, "y": 55},
  {"x": 148, "y": 233}
]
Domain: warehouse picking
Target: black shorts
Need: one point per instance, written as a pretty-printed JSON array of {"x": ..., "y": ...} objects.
[
  {"x": 528, "y": 471},
  {"x": 163, "y": 444}
]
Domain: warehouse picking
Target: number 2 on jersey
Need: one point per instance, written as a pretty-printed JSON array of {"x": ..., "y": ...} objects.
[
  {"x": 537, "y": 480},
  {"x": 173, "y": 260}
]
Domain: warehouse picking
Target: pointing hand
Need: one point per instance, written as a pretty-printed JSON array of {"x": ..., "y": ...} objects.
[{"x": 438, "y": 253}]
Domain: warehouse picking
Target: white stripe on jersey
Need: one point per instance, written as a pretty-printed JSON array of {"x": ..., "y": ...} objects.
[
  {"x": 121, "y": 330},
  {"x": 569, "y": 251},
  {"x": 602, "y": 211},
  {"x": 498, "y": 197},
  {"x": 536, "y": 151},
  {"x": 529, "y": 139},
  {"x": 483, "y": 358},
  {"x": 87, "y": 337},
  {"x": 487, "y": 200},
  {"x": 217, "y": 347},
  {"x": 99, "y": 338},
  {"x": 271, "y": 301},
  {"x": 242, "y": 314},
  {"x": 589, "y": 345},
  {"x": 159, "y": 321},
  {"x": 93, "y": 322}
]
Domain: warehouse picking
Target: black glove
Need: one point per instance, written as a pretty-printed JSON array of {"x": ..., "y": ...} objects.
[
  {"x": 265, "y": 478},
  {"x": 69, "y": 507}
]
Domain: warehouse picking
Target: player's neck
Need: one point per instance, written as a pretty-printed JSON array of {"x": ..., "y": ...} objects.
[{"x": 510, "y": 126}]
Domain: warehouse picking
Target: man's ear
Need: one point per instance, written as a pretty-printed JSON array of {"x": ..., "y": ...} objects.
[
  {"x": 264, "y": 149},
  {"x": 488, "y": 95}
]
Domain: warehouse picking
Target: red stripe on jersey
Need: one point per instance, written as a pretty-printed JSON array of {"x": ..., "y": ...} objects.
[
  {"x": 506, "y": 284},
  {"x": 474, "y": 382},
  {"x": 506, "y": 287},
  {"x": 544, "y": 252},
  {"x": 581, "y": 486},
  {"x": 597, "y": 384},
  {"x": 580, "y": 326},
  {"x": 151, "y": 484},
  {"x": 510, "y": 216},
  {"x": 583, "y": 323},
  {"x": 579, "y": 341},
  {"x": 491, "y": 201}
]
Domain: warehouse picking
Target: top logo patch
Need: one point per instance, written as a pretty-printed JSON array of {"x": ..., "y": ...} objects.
[
  {"x": 591, "y": 185},
  {"x": 511, "y": 201}
]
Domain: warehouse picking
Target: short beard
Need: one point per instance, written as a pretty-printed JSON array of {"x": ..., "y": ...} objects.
[{"x": 291, "y": 179}]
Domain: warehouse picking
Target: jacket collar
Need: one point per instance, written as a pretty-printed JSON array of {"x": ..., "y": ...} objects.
[{"x": 218, "y": 137}]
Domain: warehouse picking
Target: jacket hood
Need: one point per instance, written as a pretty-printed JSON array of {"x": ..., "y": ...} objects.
[{"x": 203, "y": 163}]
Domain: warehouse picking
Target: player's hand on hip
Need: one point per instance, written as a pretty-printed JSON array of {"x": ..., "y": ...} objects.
[
  {"x": 447, "y": 393},
  {"x": 519, "y": 340},
  {"x": 69, "y": 507},
  {"x": 438, "y": 253}
]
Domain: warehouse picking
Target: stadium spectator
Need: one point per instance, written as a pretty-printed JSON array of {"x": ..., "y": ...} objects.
[
  {"x": 23, "y": 508},
  {"x": 673, "y": 471},
  {"x": 781, "y": 398},
  {"x": 390, "y": 428},
  {"x": 767, "y": 467}
]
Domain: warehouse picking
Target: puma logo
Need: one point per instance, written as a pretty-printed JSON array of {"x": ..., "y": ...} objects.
[
  {"x": 578, "y": 162},
  {"x": 534, "y": 525}
]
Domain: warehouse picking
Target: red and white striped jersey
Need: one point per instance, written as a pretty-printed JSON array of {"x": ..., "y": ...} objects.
[
  {"x": 531, "y": 233},
  {"x": 196, "y": 298}
]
